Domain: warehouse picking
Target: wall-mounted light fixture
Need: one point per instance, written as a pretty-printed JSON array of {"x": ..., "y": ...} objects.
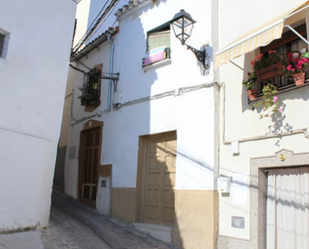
[{"x": 182, "y": 25}]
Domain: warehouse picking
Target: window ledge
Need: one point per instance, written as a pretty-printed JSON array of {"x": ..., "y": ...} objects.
[
  {"x": 283, "y": 91},
  {"x": 157, "y": 65}
]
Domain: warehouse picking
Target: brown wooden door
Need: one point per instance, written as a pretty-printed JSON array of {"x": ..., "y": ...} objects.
[
  {"x": 160, "y": 180},
  {"x": 90, "y": 146}
]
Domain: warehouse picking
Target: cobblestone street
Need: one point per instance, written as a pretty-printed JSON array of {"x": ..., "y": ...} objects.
[{"x": 74, "y": 225}]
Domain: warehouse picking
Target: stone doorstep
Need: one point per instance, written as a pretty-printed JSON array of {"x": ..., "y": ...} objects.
[{"x": 159, "y": 232}]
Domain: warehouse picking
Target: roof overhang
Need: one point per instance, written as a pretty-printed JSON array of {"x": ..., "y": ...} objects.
[
  {"x": 262, "y": 35},
  {"x": 94, "y": 44}
]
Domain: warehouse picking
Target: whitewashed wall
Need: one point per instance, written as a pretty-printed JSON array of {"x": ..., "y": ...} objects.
[
  {"x": 32, "y": 86},
  {"x": 191, "y": 114},
  {"x": 237, "y": 18}
]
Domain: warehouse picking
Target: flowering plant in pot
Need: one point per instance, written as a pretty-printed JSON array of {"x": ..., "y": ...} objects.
[
  {"x": 296, "y": 67},
  {"x": 249, "y": 84},
  {"x": 269, "y": 101},
  {"x": 269, "y": 66}
]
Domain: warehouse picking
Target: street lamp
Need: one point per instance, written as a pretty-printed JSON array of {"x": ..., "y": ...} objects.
[{"x": 182, "y": 24}]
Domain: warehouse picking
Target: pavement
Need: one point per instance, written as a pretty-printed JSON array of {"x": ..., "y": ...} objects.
[
  {"x": 74, "y": 225},
  {"x": 25, "y": 240}
]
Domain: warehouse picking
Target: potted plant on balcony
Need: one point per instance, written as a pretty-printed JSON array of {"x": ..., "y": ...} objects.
[
  {"x": 90, "y": 94},
  {"x": 249, "y": 84},
  {"x": 296, "y": 67},
  {"x": 269, "y": 101},
  {"x": 267, "y": 67}
]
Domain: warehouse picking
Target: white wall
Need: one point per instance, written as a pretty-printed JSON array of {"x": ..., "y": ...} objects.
[
  {"x": 82, "y": 16},
  {"x": 240, "y": 122},
  {"x": 32, "y": 82},
  {"x": 190, "y": 114}
]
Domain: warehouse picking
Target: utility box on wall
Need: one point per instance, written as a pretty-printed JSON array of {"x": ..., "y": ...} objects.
[
  {"x": 224, "y": 184},
  {"x": 103, "y": 195}
]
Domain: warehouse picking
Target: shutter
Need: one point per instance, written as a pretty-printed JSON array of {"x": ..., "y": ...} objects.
[{"x": 158, "y": 39}]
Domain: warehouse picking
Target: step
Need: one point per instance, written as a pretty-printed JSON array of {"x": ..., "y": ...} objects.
[{"x": 159, "y": 232}]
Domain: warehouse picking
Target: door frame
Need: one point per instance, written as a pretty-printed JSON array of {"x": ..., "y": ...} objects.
[
  {"x": 141, "y": 171},
  {"x": 258, "y": 184},
  {"x": 91, "y": 124}
]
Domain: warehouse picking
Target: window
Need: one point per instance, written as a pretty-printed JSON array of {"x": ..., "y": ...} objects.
[
  {"x": 289, "y": 42},
  {"x": 91, "y": 88},
  {"x": 158, "y": 45},
  {"x": 158, "y": 39}
]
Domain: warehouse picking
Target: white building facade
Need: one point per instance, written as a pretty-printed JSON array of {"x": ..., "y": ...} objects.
[
  {"x": 34, "y": 57},
  {"x": 267, "y": 159},
  {"x": 149, "y": 156}
]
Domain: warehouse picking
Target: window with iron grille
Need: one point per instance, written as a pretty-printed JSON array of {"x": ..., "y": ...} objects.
[
  {"x": 91, "y": 88},
  {"x": 287, "y": 44}
]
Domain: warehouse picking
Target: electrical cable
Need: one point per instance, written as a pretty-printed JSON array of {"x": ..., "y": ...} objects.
[
  {"x": 89, "y": 68},
  {"x": 102, "y": 76},
  {"x": 96, "y": 24},
  {"x": 104, "y": 22},
  {"x": 91, "y": 24},
  {"x": 175, "y": 92},
  {"x": 114, "y": 23}
]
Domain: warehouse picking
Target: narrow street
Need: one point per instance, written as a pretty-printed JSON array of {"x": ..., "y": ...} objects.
[{"x": 74, "y": 225}]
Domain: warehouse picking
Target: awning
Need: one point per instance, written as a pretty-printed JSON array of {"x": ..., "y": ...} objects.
[{"x": 262, "y": 35}]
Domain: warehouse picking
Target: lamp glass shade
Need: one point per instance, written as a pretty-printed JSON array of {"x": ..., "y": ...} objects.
[{"x": 182, "y": 25}]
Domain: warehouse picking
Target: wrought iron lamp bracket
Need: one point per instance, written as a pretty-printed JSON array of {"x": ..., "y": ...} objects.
[{"x": 200, "y": 55}]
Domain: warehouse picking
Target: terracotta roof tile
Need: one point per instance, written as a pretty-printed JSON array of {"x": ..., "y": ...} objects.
[
  {"x": 94, "y": 43},
  {"x": 131, "y": 4}
]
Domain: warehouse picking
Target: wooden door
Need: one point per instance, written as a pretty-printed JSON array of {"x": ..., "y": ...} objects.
[
  {"x": 160, "y": 172},
  {"x": 89, "y": 165}
]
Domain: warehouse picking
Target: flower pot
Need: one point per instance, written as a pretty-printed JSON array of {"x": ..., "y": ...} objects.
[
  {"x": 299, "y": 79},
  {"x": 269, "y": 72},
  {"x": 252, "y": 94}
]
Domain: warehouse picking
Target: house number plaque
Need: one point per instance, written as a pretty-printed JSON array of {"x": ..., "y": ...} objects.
[{"x": 282, "y": 157}]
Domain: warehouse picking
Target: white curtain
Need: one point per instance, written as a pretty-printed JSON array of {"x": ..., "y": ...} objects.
[{"x": 287, "y": 208}]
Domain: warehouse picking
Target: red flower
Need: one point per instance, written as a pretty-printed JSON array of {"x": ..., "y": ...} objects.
[
  {"x": 253, "y": 62},
  {"x": 272, "y": 51},
  {"x": 259, "y": 56},
  {"x": 290, "y": 56}
]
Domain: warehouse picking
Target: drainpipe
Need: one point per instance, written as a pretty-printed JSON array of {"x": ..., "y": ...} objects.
[{"x": 110, "y": 85}]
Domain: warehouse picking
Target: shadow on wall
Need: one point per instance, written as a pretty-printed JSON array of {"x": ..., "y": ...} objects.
[
  {"x": 153, "y": 200},
  {"x": 280, "y": 122},
  {"x": 157, "y": 201}
]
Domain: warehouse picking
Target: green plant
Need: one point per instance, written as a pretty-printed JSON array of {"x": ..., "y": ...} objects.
[
  {"x": 269, "y": 100},
  {"x": 271, "y": 58},
  {"x": 249, "y": 83},
  {"x": 90, "y": 94}
]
